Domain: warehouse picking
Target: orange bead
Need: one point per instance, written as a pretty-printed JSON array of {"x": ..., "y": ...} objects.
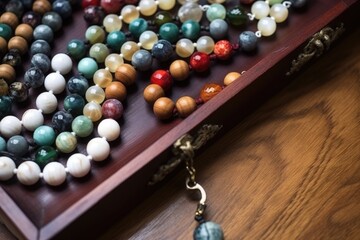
[
  {"x": 231, "y": 77},
  {"x": 209, "y": 91},
  {"x": 10, "y": 19},
  {"x": 152, "y": 93},
  {"x": 41, "y": 6},
  {"x": 126, "y": 74},
  {"x": 18, "y": 43},
  {"x": 163, "y": 108},
  {"x": 115, "y": 90},
  {"x": 24, "y": 30},
  {"x": 185, "y": 106},
  {"x": 179, "y": 70},
  {"x": 7, "y": 73}
]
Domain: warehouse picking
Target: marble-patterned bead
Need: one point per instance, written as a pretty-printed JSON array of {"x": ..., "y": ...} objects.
[
  {"x": 147, "y": 7},
  {"x": 18, "y": 91},
  {"x": 66, "y": 142},
  {"x": 55, "y": 82},
  {"x": 115, "y": 40},
  {"x": 53, "y": 20},
  {"x": 218, "y": 29},
  {"x": 95, "y": 94},
  {"x": 116, "y": 90},
  {"x": 190, "y": 29},
  {"x": 61, "y": 121},
  {"x": 184, "y": 48},
  {"x": 98, "y": 149},
  {"x": 142, "y": 60},
  {"x": 45, "y": 155},
  {"x": 61, "y": 63},
  {"x": 102, "y": 78},
  {"x": 248, "y": 41},
  {"x": 54, "y": 174},
  {"x": 163, "y": 108},
  {"x": 179, "y": 70},
  {"x": 78, "y": 165},
  {"x": 76, "y": 49},
  {"x": 109, "y": 129},
  {"x": 40, "y": 46},
  {"x": 74, "y": 104},
  {"x": 63, "y": 8},
  {"x": 17, "y": 145},
  {"x": 7, "y": 167},
  {"x": 266, "y": 26},
  {"x": 152, "y": 93},
  {"x": 279, "y": 12},
  {"x": 185, "y": 106},
  {"x": 2, "y": 144},
  {"x": 215, "y": 11},
  {"x": 260, "y": 9},
  {"x": 82, "y": 126},
  {"x": 162, "y": 50},
  {"x": 32, "y": 119},
  {"x": 5, "y": 107},
  {"x": 34, "y": 77},
  {"x": 43, "y": 32},
  {"x": 128, "y": 49},
  {"x": 205, "y": 44},
  {"x": 28, "y": 173},
  {"x": 137, "y": 27},
  {"x": 126, "y": 74},
  {"x": 46, "y": 102},
  {"x": 44, "y": 135},
  {"x": 112, "y": 23},
  {"x": 42, "y": 62},
  {"x": 112, "y": 108},
  {"x": 13, "y": 58},
  {"x": 113, "y": 62},
  {"x": 87, "y": 67},
  {"x": 208, "y": 231},
  {"x": 77, "y": 84},
  {"x": 190, "y": 11},
  {"x": 95, "y": 34},
  {"x": 93, "y": 111},
  {"x": 169, "y": 32},
  {"x": 148, "y": 39},
  {"x": 129, "y": 13},
  {"x": 24, "y": 30}
]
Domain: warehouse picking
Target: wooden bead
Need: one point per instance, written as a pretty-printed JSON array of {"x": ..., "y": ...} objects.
[
  {"x": 7, "y": 73},
  {"x": 115, "y": 90},
  {"x": 24, "y": 30},
  {"x": 41, "y": 6},
  {"x": 126, "y": 74},
  {"x": 18, "y": 43},
  {"x": 3, "y": 46},
  {"x": 179, "y": 70},
  {"x": 153, "y": 92},
  {"x": 4, "y": 87},
  {"x": 209, "y": 91},
  {"x": 185, "y": 106},
  {"x": 10, "y": 19},
  {"x": 163, "y": 108},
  {"x": 231, "y": 77}
]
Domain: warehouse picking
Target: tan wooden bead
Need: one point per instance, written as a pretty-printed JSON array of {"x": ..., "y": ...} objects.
[
  {"x": 179, "y": 70},
  {"x": 163, "y": 108},
  {"x": 41, "y": 6},
  {"x": 3, "y": 46},
  {"x": 231, "y": 77},
  {"x": 4, "y": 87},
  {"x": 18, "y": 43},
  {"x": 7, "y": 73},
  {"x": 116, "y": 90},
  {"x": 10, "y": 19},
  {"x": 126, "y": 74},
  {"x": 185, "y": 106},
  {"x": 153, "y": 92},
  {"x": 24, "y": 30}
]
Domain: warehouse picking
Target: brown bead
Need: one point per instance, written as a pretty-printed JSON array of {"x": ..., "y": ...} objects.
[
  {"x": 209, "y": 91},
  {"x": 4, "y": 87},
  {"x": 24, "y": 30},
  {"x": 115, "y": 90},
  {"x": 231, "y": 77},
  {"x": 10, "y": 19},
  {"x": 126, "y": 74},
  {"x": 179, "y": 70},
  {"x": 7, "y": 73},
  {"x": 185, "y": 106},
  {"x": 18, "y": 43},
  {"x": 3, "y": 46},
  {"x": 41, "y": 6},
  {"x": 153, "y": 92},
  {"x": 163, "y": 108}
]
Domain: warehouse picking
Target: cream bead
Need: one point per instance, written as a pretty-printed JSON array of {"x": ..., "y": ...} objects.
[
  {"x": 266, "y": 26},
  {"x": 78, "y": 165},
  {"x": 166, "y": 4},
  {"x": 7, "y": 167},
  {"x": 98, "y": 149},
  {"x": 190, "y": 11},
  {"x": 109, "y": 129},
  {"x": 32, "y": 119},
  {"x": 102, "y": 78},
  {"x": 129, "y": 13},
  {"x": 61, "y": 62},
  {"x": 205, "y": 44},
  {"x": 112, "y": 23},
  {"x": 54, "y": 173},
  {"x": 128, "y": 49},
  {"x": 95, "y": 94},
  {"x": 55, "y": 82},
  {"x": 184, "y": 48},
  {"x": 93, "y": 111},
  {"x": 147, "y": 7},
  {"x": 279, "y": 12},
  {"x": 10, "y": 126},
  {"x": 28, "y": 173},
  {"x": 260, "y": 9},
  {"x": 148, "y": 39},
  {"x": 46, "y": 102},
  {"x": 113, "y": 61}
]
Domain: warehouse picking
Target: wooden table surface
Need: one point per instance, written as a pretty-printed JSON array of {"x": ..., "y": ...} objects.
[{"x": 291, "y": 170}]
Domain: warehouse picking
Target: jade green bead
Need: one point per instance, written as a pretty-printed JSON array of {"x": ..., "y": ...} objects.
[
  {"x": 115, "y": 40},
  {"x": 169, "y": 32},
  {"x": 237, "y": 16},
  {"x": 216, "y": 11},
  {"x": 82, "y": 126},
  {"x": 272, "y": 2},
  {"x": 76, "y": 49},
  {"x": 66, "y": 142},
  {"x": 5, "y": 31},
  {"x": 44, "y": 136},
  {"x": 162, "y": 17},
  {"x": 5, "y": 106},
  {"x": 191, "y": 29},
  {"x": 95, "y": 34},
  {"x": 74, "y": 104},
  {"x": 2, "y": 144},
  {"x": 87, "y": 67},
  {"x": 99, "y": 52},
  {"x": 44, "y": 155},
  {"x": 137, "y": 27}
]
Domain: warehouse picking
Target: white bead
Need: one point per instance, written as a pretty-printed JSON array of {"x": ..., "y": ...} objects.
[
  {"x": 205, "y": 44},
  {"x": 55, "y": 82},
  {"x": 46, "y": 102},
  {"x": 147, "y": 7},
  {"x": 61, "y": 62},
  {"x": 148, "y": 39},
  {"x": 166, "y": 4},
  {"x": 190, "y": 11},
  {"x": 28, "y": 173},
  {"x": 279, "y": 12},
  {"x": 54, "y": 173},
  {"x": 267, "y": 26},
  {"x": 98, "y": 149},
  {"x": 184, "y": 48},
  {"x": 10, "y": 126},
  {"x": 32, "y": 119},
  {"x": 78, "y": 165},
  {"x": 109, "y": 129},
  {"x": 260, "y": 9},
  {"x": 7, "y": 167}
]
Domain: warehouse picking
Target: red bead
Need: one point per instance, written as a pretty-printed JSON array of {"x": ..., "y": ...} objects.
[
  {"x": 247, "y": 1},
  {"x": 223, "y": 49},
  {"x": 112, "y": 108},
  {"x": 200, "y": 61},
  {"x": 87, "y": 3},
  {"x": 112, "y": 6},
  {"x": 209, "y": 91},
  {"x": 162, "y": 78}
]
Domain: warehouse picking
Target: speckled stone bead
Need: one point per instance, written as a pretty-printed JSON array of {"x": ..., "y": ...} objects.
[
  {"x": 169, "y": 32},
  {"x": 115, "y": 40},
  {"x": 43, "y": 32},
  {"x": 76, "y": 49},
  {"x": 137, "y": 27},
  {"x": 66, "y": 142},
  {"x": 61, "y": 121},
  {"x": 87, "y": 67},
  {"x": 40, "y": 46},
  {"x": 53, "y": 20},
  {"x": 74, "y": 103},
  {"x": 5, "y": 106},
  {"x": 112, "y": 108},
  {"x": 209, "y": 91},
  {"x": 218, "y": 29},
  {"x": 34, "y": 77},
  {"x": 44, "y": 136},
  {"x": 17, "y": 145},
  {"x": 13, "y": 58},
  {"x": 2, "y": 144},
  {"x": 44, "y": 155},
  {"x": 18, "y": 91},
  {"x": 208, "y": 231},
  {"x": 63, "y": 8},
  {"x": 142, "y": 60},
  {"x": 94, "y": 15},
  {"x": 237, "y": 16},
  {"x": 42, "y": 62},
  {"x": 82, "y": 126},
  {"x": 162, "y": 50},
  {"x": 78, "y": 85},
  {"x": 248, "y": 41}
]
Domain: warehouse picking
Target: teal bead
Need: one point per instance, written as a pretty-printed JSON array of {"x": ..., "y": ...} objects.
[
  {"x": 169, "y": 32},
  {"x": 82, "y": 126},
  {"x": 74, "y": 104},
  {"x": 66, "y": 142},
  {"x": 5, "y": 106},
  {"x": 216, "y": 11},
  {"x": 44, "y": 136},
  {"x": 87, "y": 67},
  {"x": 191, "y": 29},
  {"x": 162, "y": 17},
  {"x": 2, "y": 144},
  {"x": 44, "y": 155},
  {"x": 95, "y": 34},
  {"x": 115, "y": 40},
  {"x": 237, "y": 16},
  {"x": 5, "y": 31},
  {"x": 208, "y": 231},
  {"x": 76, "y": 49},
  {"x": 137, "y": 27}
]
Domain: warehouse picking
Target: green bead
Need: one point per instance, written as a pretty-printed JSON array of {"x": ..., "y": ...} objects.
[
  {"x": 74, "y": 104},
  {"x": 95, "y": 34},
  {"x": 170, "y": 32},
  {"x": 191, "y": 29},
  {"x": 162, "y": 17},
  {"x": 99, "y": 52},
  {"x": 2, "y": 144},
  {"x": 5, "y": 106},
  {"x": 44, "y": 155},
  {"x": 216, "y": 11},
  {"x": 272, "y": 2},
  {"x": 236, "y": 16},
  {"x": 137, "y": 27},
  {"x": 44, "y": 136},
  {"x": 115, "y": 40},
  {"x": 66, "y": 142},
  {"x": 82, "y": 126},
  {"x": 87, "y": 67},
  {"x": 5, "y": 31},
  {"x": 76, "y": 49}
]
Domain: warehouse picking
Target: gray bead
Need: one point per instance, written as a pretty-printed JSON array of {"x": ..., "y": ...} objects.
[
  {"x": 41, "y": 61},
  {"x": 162, "y": 50},
  {"x": 43, "y": 32},
  {"x": 248, "y": 41},
  {"x": 2, "y": 144},
  {"x": 17, "y": 145},
  {"x": 34, "y": 77},
  {"x": 142, "y": 60},
  {"x": 208, "y": 231},
  {"x": 218, "y": 29},
  {"x": 53, "y": 20},
  {"x": 40, "y": 46}
]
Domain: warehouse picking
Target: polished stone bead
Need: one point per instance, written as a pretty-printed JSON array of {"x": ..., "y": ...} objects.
[
  {"x": 299, "y": 3},
  {"x": 63, "y": 8},
  {"x": 115, "y": 40},
  {"x": 95, "y": 94},
  {"x": 190, "y": 11},
  {"x": 42, "y": 62},
  {"x": 200, "y": 61},
  {"x": 190, "y": 29},
  {"x": 209, "y": 91},
  {"x": 162, "y": 17},
  {"x": 32, "y": 119},
  {"x": 102, "y": 77},
  {"x": 2, "y": 144},
  {"x": 223, "y": 49},
  {"x": 137, "y": 27},
  {"x": 113, "y": 62},
  {"x": 53, "y": 20},
  {"x": 44, "y": 135},
  {"x": 218, "y": 29},
  {"x": 31, "y": 18},
  {"x": 128, "y": 49},
  {"x": 279, "y": 12},
  {"x": 34, "y": 77},
  {"x": 12, "y": 58},
  {"x": 147, "y": 39},
  {"x": 205, "y": 44},
  {"x": 147, "y": 7},
  {"x": 162, "y": 50},
  {"x": 99, "y": 52},
  {"x": 162, "y": 78},
  {"x": 77, "y": 84},
  {"x": 15, "y": 6},
  {"x": 17, "y": 145},
  {"x": 82, "y": 126},
  {"x": 66, "y": 142},
  {"x": 44, "y": 155},
  {"x": 184, "y": 48},
  {"x": 248, "y": 41},
  {"x": 5, "y": 31},
  {"x": 130, "y": 13},
  {"x": 142, "y": 60},
  {"x": 18, "y": 91},
  {"x": 87, "y": 67},
  {"x": 208, "y": 231},
  {"x": 95, "y": 34},
  {"x": 216, "y": 11},
  {"x": 76, "y": 49},
  {"x": 40, "y": 46},
  {"x": 260, "y": 9},
  {"x": 43, "y": 32},
  {"x": 237, "y": 16},
  {"x": 112, "y": 108},
  {"x": 92, "y": 110},
  {"x": 5, "y": 106},
  {"x": 169, "y": 32},
  {"x": 163, "y": 108},
  {"x": 86, "y": 3},
  {"x": 94, "y": 15},
  {"x": 61, "y": 121},
  {"x": 74, "y": 103},
  {"x": 267, "y": 26},
  {"x": 109, "y": 129},
  {"x": 112, "y": 23}
]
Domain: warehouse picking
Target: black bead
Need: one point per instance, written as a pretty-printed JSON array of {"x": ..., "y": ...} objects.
[
  {"x": 298, "y": 3},
  {"x": 62, "y": 121},
  {"x": 15, "y": 6}
]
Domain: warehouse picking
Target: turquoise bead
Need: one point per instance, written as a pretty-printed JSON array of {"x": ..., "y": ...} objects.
[
  {"x": 5, "y": 106},
  {"x": 169, "y": 32},
  {"x": 216, "y": 11},
  {"x": 44, "y": 136},
  {"x": 208, "y": 231},
  {"x": 76, "y": 49},
  {"x": 74, "y": 104},
  {"x": 66, "y": 142},
  {"x": 5, "y": 31},
  {"x": 137, "y": 27},
  {"x": 82, "y": 126},
  {"x": 115, "y": 40},
  {"x": 44, "y": 155},
  {"x": 191, "y": 29},
  {"x": 87, "y": 67},
  {"x": 2, "y": 144}
]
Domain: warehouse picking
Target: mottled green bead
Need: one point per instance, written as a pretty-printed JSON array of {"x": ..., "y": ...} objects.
[
  {"x": 44, "y": 155},
  {"x": 137, "y": 27},
  {"x": 191, "y": 29},
  {"x": 2, "y": 144},
  {"x": 76, "y": 49},
  {"x": 99, "y": 52},
  {"x": 115, "y": 40},
  {"x": 216, "y": 11},
  {"x": 5, "y": 106},
  {"x": 236, "y": 16},
  {"x": 66, "y": 142},
  {"x": 5, "y": 31},
  {"x": 44, "y": 136},
  {"x": 162, "y": 17},
  {"x": 87, "y": 67},
  {"x": 95, "y": 34},
  {"x": 169, "y": 32},
  {"x": 272, "y": 2},
  {"x": 74, "y": 104},
  {"x": 82, "y": 126}
]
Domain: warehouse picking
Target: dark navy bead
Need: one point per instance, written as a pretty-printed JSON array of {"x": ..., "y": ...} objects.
[
  {"x": 18, "y": 91},
  {"x": 162, "y": 50},
  {"x": 17, "y": 145},
  {"x": 208, "y": 231},
  {"x": 31, "y": 18},
  {"x": 12, "y": 58},
  {"x": 34, "y": 77},
  {"x": 5, "y": 106},
  {"x": 248, "y": 41},
  {"x": 41, "y": 61},
  {"x": 78, "y": 85},
  {"x": 142, "y": 60},
  {"x": 63, "y": 8},
  {"x": 53, "y": 20},
  {"x": 40, "y": 46},
  {"x": 43, "y": 32},
  {"x": 62, "y": 121},
  {"x": 15, "y": 6}
]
